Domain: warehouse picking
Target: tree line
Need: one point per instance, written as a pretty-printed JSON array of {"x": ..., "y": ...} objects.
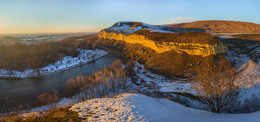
[
  {"x": 99, "y": 83},
  {"x": 21, "y": 56}
]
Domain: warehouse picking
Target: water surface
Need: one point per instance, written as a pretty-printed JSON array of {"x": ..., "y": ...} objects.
[{"x": 14, "y": 93}]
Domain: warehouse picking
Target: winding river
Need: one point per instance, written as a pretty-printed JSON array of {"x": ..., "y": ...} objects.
[{"x": 15, "y": 93}]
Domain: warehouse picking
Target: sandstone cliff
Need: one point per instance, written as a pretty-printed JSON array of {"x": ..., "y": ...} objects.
[{"x": 147, "y": 35}]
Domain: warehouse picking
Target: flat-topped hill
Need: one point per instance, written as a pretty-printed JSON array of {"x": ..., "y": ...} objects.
[
  {"x": 162, "y": 39},
  {"x": 221, "y": 26},
  {"x": 189, "y": 37}
]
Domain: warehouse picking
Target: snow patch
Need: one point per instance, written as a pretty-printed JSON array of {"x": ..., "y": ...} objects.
[
  {"x": 182, "y": 87},
  {"x": 126, "y": 28},
  {"x": 121, "y": 108},
  {"x": 137, "y": 107},
  {"x": 249, "y": 72},
  {"x": 236, "y": 57}
]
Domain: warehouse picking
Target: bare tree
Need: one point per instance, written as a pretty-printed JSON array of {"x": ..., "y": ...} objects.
[
  {"x": 99, "y": 83},
  {"x": 216, "y": 85}
]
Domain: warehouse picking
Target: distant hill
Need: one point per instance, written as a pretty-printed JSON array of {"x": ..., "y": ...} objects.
[{"x": 220, "y": 26}]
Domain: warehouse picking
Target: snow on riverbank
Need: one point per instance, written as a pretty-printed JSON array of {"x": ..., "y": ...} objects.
[
  {"x": 164, "y": 84},
  {"x": 248, "y": 73},
  {"x": 137, "y": 107},
  {"x": 85, "y": 56},
  {"x": 134, "y": 107}
]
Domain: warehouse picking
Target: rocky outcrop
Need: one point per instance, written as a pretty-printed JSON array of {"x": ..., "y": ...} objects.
[{"x": 201, "y": 49}]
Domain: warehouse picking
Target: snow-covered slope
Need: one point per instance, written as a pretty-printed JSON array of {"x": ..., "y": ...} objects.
[
  {"x": 249, "y": 72},
  {"x": 236, "y": 57},
  {"x": 240, "y": 56},
  {"x": 131, "y": 27},
  {"x": 255, "y": 53},
  {"x": 137, "y": 107}
]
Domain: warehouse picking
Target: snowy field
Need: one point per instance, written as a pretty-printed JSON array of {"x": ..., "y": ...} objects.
[
  {"x": 85, "y": 56},
  {"x": 137, "y": 107}
]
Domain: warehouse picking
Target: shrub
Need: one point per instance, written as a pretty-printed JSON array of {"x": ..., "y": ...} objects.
[
  {"x": 99, "y": 83},
  {"x": 47, "y": 98}
]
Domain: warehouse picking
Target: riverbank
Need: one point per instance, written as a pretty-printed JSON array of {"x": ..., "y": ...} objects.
[
  {"x": 67, "y": 62},
  {"x": 30, "y": 88}
]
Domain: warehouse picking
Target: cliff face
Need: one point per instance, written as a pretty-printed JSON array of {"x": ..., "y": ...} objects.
[
  {"x": 205, "y": 47},
  {"x": 162, "y": 50},
  {"x": 201, "y": 49}
]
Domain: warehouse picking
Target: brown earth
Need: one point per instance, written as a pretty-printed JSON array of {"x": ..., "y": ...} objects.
[{"x": 220, "y": 26}]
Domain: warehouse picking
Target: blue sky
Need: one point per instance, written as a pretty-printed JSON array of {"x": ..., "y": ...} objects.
[{"x": 41, "y": 16}]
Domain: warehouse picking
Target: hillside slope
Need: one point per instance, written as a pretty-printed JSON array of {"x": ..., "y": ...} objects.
[
  {"x": 220, "y": 26},
  {"x": 137, "y": 107},
  {"x": 162, "y": 50}
]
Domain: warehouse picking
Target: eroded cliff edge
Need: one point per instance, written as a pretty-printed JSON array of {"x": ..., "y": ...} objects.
[{"x": 162, "y": 39}]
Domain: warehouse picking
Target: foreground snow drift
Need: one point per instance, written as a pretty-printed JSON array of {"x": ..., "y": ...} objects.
[
  {"x": 137, "y": 107},
  {"x": 67, "y": 62}
]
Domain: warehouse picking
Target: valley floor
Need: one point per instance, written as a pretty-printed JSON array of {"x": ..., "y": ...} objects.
[{"x": 138, "y": 107}]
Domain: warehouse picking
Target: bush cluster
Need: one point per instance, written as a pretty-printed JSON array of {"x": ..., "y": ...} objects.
[{"x": 99, "y": 83}]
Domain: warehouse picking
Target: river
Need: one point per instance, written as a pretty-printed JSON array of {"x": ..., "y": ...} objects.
[{"x": 15, "y": 93}]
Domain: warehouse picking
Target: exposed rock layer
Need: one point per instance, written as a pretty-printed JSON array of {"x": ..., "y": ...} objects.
[{"x": 201, "y": 49}]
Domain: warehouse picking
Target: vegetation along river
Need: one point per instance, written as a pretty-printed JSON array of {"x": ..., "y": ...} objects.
[{"x": 15, "y": 94}]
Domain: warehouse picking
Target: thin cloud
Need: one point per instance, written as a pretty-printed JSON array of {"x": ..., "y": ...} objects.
[{"x": 179, "y": 20}]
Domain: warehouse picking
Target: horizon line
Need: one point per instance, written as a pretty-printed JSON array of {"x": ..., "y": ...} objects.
[{"x": 46, "y": 33}]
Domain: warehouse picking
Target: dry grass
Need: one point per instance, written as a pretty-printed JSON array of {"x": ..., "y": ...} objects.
[
  {"x": 54, "y": 115},
  {"x": 190, "y": 37},
  {"x": 218, "y": 26},
  {"x": 255, "y": 37},
  {"x": 169, "y": 98}
]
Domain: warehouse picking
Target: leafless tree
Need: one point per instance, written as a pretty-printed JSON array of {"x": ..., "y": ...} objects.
[
  {"x": 216, "y": 85},
  {"x": 99, "y": 83}
]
